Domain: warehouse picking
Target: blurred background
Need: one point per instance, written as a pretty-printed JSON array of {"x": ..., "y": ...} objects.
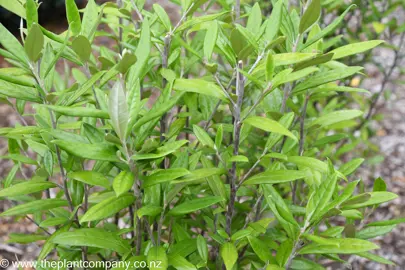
[{"x": 382, "y": 142}]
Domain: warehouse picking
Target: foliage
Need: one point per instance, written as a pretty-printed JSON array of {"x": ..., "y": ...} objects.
[{"x": 212, "y": 141}]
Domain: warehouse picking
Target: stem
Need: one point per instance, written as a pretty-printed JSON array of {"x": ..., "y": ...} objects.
[
  {"x": 160, "y": 224},
  {"x": 302, "y": 139},
  {"x": 237, "y": 11},
  {"x": 236, "y": 139}
]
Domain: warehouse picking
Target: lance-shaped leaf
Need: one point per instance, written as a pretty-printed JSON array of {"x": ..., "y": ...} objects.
[
  {"x": 31, "y": 12},
  {"x": 336, "y": 117},
  {"x": 310, "y": 16},
  {"x": 203, "y": 136},
  {"x": 202, "y": 248},
  {"x": 26, "y": 188},
  {"x": 34, "y": 42},
  {"x": 200, "y": 174},
  {"x": 355, "y": 48},
  {"x": 339, "y": 246},
  {"x": 260, "y": 248},
  {"x": 275, "y": 177},
  {"x": 123, "y": 182},
  {"x": 327, "y": 29},
  {"x": 157, "y": 254},
  {"x": 274, "y": 21},
  {"x": 107, "y": 208},
  {"x": 73, "y": 17},
  {"x": 79, "y": 111},
  {"x": 269, "y": 126},
  {"x": 375, "y": 198},
  {"x": 163, "y": 17},
  {"x": 90, "y": 19},
  {"x": 118, "y": 110},
  {"x": 229, "y": 255},
  {"x": 326, "y": 77},
  {"x": 93, "y": 237},
  {"x": 199, "y": 86},
  {"x": 319, "y": 200},
  {"x": 280, "y": 210},
  {"x": 165, "y": 150},
  {"x": 194, "y": 205},
  {"x": 34, "y": 206},
  {"x": 90, "y": 177},
  {"x": 163, "y": 176},
  {"x": 82, "y": 47},
  {"x": 96, "y": 151},
  {"x": 210, "y": 39}
]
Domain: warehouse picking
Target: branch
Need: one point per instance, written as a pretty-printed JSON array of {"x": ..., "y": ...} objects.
[{"x": 240, "y": 89}]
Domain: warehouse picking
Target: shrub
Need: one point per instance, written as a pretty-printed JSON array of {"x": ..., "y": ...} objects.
[{"x": 202, "y": 143}]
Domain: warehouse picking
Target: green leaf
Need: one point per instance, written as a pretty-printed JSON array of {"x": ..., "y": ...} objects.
[
  {"x": 90, "y": 20},
  {"x": 149, "y": 210},
  {"x": 269, "y": 126},
  {"x": 199, "y": 174},
  {"x": 318, "y": 201},
  {"x": 161, "y": 151},
  {"x": 31, "y": 12},
  {"x": 79, "y": 111},
  {"x": 229, "y": 255},
  {"x": 284, "y": 252},
  {"x": 20, "y": 158},
  {"x": 316, "y": 60},
  {"x": 210, "y": 39},
  {"x": 90, "y": 177},
  {"x": 15, "y": 7},
  {"x": 269, "y": 67},
  {"x": 163, "y": 17},
  {"x": 128, "y": 59},
  {"x": 34, "y": 42},
  {"x": 326, "y": 77},
  {"x": 203, "y": 136},
  {"x": 107, "y": 208},
  {"x": 84, "y": 88},
  {"x": 355, "y": 48},
  {"x": 255, "y": 19},
  {"x": 274, "y": 21},
  {"x": 95, "y": 151},
  {"x": 260, "y": 248},
  {"x": 199, "y": 86},
  {"x": 349, "y": 167},
  {"x": 310, "y": 16},
  {"x": 158, "y": 111},
  {"x": 34, "y": 206},
  {"x": 202, "y": 248},
  {"x": 56, "y": 221},
  {"x": 73, "y": 17},
  {"x": 379, "y": 185},
  {"x": 375, "y": 198},
  {"x": 157, "y": 254},
  {"x": 375, "y": 258},
  {"x": 48, "y": 162},
  {"x": 82, "y": 47},
  {"x": 374, "y": 231},
  {"x": 280, "y": 210},
  {"x": 387, "y": 222},
  {"x": 123, "y": 182},
  {"x": 180, "y": 263},
  {"x": 336, "y": 117},
  {"x": 238, "y": 158},
  {"x": 93, "y": 237},
  {"x": 25, "y": 238},
  {"x": 118, "y": 110},
  {"x": 331, "y": 27},
  {"x": 219, "y": 137},
  {"x": 163, "y": 176},
  {"x": 275, "y": 177},
  {"x": 309, "y": 162},
  {"x": 194, "y": 205},
  {"x": 340, "y": 246},
  {"x": 26, "y": 188}
]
